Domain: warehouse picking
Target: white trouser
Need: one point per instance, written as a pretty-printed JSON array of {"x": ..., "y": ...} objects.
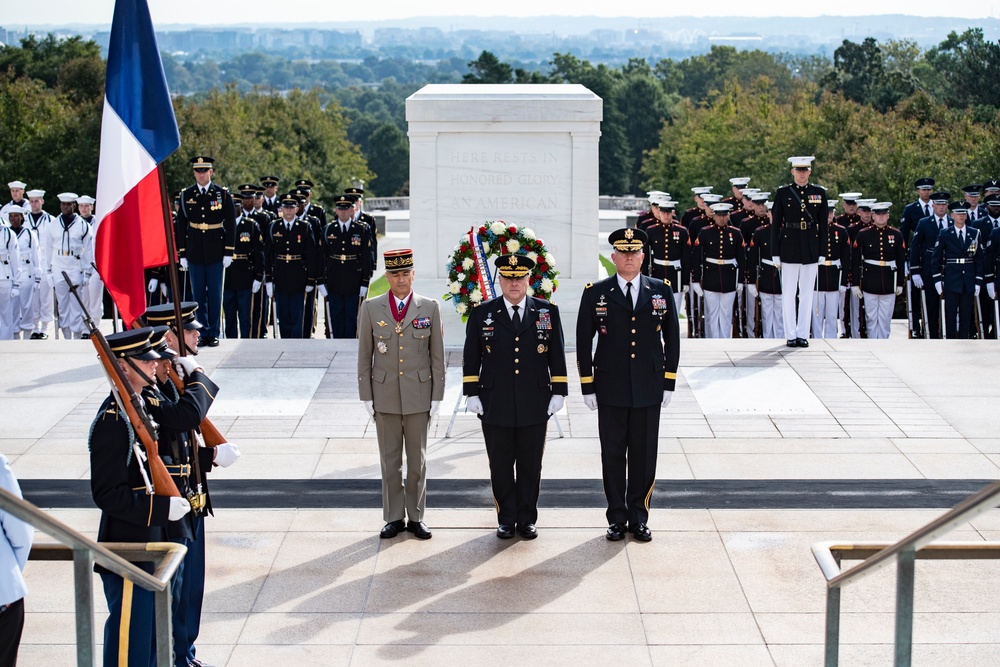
[
  {"x": 42, "y": 306},
  {"x": 719, "y": 314},
  {"x": 679, "y": 300},
  {"x": 841, "y": 301},
  {"x": 10, "y": 307},
  {"x": 70, "y": 315},
  {"x": 856, "y": 316},
  {"x": 801, "y": 279},
  {"x": 93, "y": 296},
  {"x": 878, "y": 313},
  {"x": 771, "y": 316},
  {"x": 827, "y": 311},
  {"x": 751, "y": 312}
]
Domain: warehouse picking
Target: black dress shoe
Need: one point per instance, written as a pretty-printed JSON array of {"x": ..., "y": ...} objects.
[
  {"x": 792, "y": 342},
  {"x": 642, "y": 533},
  {"x": 419, "y": 530},
  {"x": 616, "y": 532},
  {"x": 198, "y": 663},
  {"x": 392, "y": 529},
  {"x": 39, "y": 336},
  {"x": 212, "y": 342},
  {"x": 505, "y": 531},
  {"x": 528, "y": 531},
  {"x": 85, "y": 336},
  {"x": 802, "y": 342}
]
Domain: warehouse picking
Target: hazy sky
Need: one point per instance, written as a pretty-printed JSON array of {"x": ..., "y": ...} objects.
[{"x": 227, "y": 12}]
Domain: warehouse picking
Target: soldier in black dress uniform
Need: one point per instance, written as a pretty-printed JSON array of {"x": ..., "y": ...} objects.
[
  {"x": 301, "y": 195},
  {"x": 764, "y": 283},
  {"x": 958, "y": 261},
  {"x": 628, "y": 379},
  {"x": 119, "y": 483},
  {"x": 290, "y": 265},
  {"x": 699, "y": 205},
  {"x": 205, "y": 228},
  {"x": 271, "y": 200},
  {"x": 717, "y": 260},
  {"x": 514, "y": 374},
  {"x": 669, "y": 253},
  {"x": 799, "y": 227},
  {"x": 832, "y": 282},
  {"x": 991, "y": 237},
  {"x": 360, "y": 216},
  {"x": 921, "y": 269},
  {"x": 878, "y": 259},
  {"x": 346, "y": 268},
  {"x": 245, "y": 275}
]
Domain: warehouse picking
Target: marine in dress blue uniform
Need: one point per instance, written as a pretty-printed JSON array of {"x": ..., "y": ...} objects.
[
  {"x": 921, "y": 268},
  {"x": 878, "y": 259},
  {"x": 514, "y": 375},
  {"x": 668, "y": 253},
  {"x": 717, "y": 259},
  {"x": 629, "y": 377},
  {"x": 832, "y": 281},
  {"x": 205, "y": 227},
  {"x": 959, "y": 266}
]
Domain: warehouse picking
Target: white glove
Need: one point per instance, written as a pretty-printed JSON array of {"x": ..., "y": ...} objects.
[
  {"x": 435, "y": 406},
  {"x": 752, "y": 291},
  {"x": 178, "y": 508},
  {"x": 14, "y": 291},
  {"x": 822, "y": 259},
  {"x": 227, "y": 262},
  {"x": 977, "y": 290},
  {"x": 163, "y": 289},
  {"x": 184, "y": 264},
  {"x": 939, "y": 287},
  {"x": 256, "y": 286},
  {"x": 697, "y": 289},
  {"x": 918, "y": 280},
  {"x": 86, "y": 279},
  {"x": 309, "y": 288},
  {"x": 226, "y": 454},
  {"x": 684, "y": 290},
  {"x": 842, "y": 288},
  {"x": 188, "y": 365},
  {"x": 667, "y": 396},
  {"x": 590, "y": 400},
  {"x": 153, "y": 284},
  {"x": 370, "y": 408},
  {"x": 899, "y": 290},
  {"x": 777, "y": 261},
  {"x": 474, "y": 405},
  {"x": 856, "y": 291},
  {"x": 363, "y": 291},
  {"x": 556, "y": 403},
  {"x": 323, "y": 291},
  {"x": 991, "y": 289},
  {"x": 270, "y": 288}
]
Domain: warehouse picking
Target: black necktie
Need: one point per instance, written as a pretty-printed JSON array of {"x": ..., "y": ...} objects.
[
  {"x": 628, "y": 295},
  {"x": 517, "y": 317},
  {"x": 927, "y": 210}
]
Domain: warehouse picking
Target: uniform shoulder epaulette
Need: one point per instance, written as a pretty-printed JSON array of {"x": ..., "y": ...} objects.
[
  {"x": 820, "y": 187},
  {"x": 667, "y": 283},
  {"x": 588, "y": 285}
]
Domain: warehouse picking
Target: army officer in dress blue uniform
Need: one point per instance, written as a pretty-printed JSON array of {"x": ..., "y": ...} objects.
[
  {"x": 346, "y": 267},
  {"x": 629, "y": 378},
  {"x": 205, "y": 227},
  {"x": 958, "y": 264},
  {"x": 514, "y": 369}
]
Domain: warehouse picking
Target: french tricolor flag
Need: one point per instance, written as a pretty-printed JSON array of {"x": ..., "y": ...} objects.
[{"x": 138, "y": 132}]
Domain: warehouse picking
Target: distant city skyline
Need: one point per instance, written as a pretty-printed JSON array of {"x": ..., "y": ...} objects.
[{"x": 257, "y": 12}]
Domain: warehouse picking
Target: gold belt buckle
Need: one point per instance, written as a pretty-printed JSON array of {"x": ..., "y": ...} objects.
[{"x": 804, "y": 225}]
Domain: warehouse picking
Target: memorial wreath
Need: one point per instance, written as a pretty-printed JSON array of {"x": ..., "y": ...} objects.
[{"x": 470, "y": 278}]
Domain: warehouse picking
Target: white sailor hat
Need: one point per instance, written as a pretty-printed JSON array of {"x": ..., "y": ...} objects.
[
  {"x": 710, "y": 198},
  {"x": 68, "y": 197},
  {"x": 722, "y": 208},
  {"x": 35, "y": 193},
  {"x": 85, "y": 199},
  {"x": 881, "y": 207},
  {"x": 702, "y": 190},
  {"x": 801, "y": 161},
  {"x": 740, "y": 181},
  {"x": 11, "y": 207},
  {"x": 850, "y": 196},
  {"x": 17, "y": 184}
]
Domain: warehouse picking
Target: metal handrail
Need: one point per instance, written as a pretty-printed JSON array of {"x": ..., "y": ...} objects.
[
  {"x": 918, "y": 544},
  {"x": 84, "y": 553}
]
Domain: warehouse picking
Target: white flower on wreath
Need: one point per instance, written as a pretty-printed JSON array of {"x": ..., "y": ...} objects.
[
  {"x": 513, "y": 246},
  {"x": 547, "y": 285},
  {"x": 533, "y": 255},
  {"x": 455, "y": 288},
  {"x": 476, "y": 296},
  {"x": 550, "y": 259},
  {"x": 498, "y": 227},
  {"x": 461, "y": 277},
  {"x": 531, "y": 291},
  {"x": 528, "y": 233},
  {"x": 462, "y": 308},
  {"x": 468, "y": 263}
]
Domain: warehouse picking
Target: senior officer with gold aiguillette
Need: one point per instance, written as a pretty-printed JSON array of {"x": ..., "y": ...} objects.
[
  {"x": 630, "y": 377},
  {"x": 401, "y": 396},
  {"x": 514, "y": 374}
]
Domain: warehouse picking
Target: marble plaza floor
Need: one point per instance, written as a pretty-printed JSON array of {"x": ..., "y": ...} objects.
[{"x": 724, "y": 582}]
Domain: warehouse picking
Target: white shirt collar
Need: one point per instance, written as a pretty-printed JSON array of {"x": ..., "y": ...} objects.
[{"x": 520, "y": 304}]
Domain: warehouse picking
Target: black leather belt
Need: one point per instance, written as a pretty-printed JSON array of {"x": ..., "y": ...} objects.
[{"x": 797, "y": 225}]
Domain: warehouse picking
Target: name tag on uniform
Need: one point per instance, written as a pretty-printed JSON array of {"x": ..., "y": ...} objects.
[
  {"x": 600, "y": 311},
  {"x": 422, "y": 323},
  {"x": 487, "y": 332},
  {"x": 544, "y": 319}
]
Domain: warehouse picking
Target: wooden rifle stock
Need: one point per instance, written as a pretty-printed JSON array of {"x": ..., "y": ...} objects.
[
  {"x": 131, "y": 403},
  {"x": 209, "y": 432}
]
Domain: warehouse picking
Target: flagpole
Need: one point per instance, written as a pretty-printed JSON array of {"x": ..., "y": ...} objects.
[{"x": 168, "y": 227}]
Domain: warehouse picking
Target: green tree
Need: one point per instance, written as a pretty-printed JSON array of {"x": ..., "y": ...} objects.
[
  {"x": 966, "y": 69},
  {"x": 487, "y": 68}
]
